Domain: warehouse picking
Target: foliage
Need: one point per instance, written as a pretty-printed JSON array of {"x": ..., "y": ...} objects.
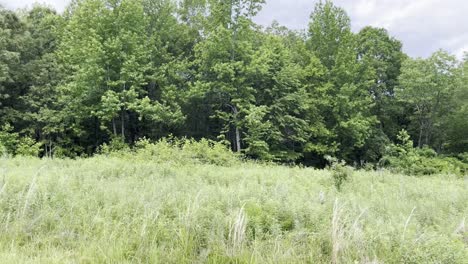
[
  {"x": 8, "y": 139},
  {"x": 28, "y": 147},
  {"x": 402, "y": 157},
  {"x": 116, "y": 145},
  {"x": 11, "y": 143},
  {"x": 107, "y": 73},
  {"x": 427, "y": 85},
  {"x": 173, "y": 150},
  {"x": 182, "y": 151},
  {"x": 340, "y": 172}
]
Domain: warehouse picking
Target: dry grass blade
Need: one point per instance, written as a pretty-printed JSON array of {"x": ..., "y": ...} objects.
[
  {"x": 337, "y": 234},
  {"x": 237, "y": 231},
  {"x": 407, "y": 223}
]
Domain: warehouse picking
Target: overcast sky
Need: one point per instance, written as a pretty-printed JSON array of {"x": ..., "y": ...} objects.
[{"x": 422, "y": 25}]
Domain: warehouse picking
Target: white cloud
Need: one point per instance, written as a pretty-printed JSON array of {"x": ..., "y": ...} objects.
[
  {"x": 365, "y": 7},
  {"x": 14, "y": 4},
  {"x": 422, "y": 25}
]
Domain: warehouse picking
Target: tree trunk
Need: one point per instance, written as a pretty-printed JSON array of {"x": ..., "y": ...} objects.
[
  {"x": 50, "y": 149},
  {"x": 238, "y": 143},
  {"x": 114, "y": 127},
  {"x": 46, "y": 151},
  {"x": 428, "y": 132},
  {"x": 238, "y": 140},
  {"x": 420, "y": 134},
  {"x": 122, "y": 122}
]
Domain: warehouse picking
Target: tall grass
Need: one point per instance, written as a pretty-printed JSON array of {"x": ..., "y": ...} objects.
[{"x": 135, "y": 210}]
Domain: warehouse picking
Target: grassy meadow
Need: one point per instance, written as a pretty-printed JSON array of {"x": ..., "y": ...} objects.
[{"x": 131, "y": 210}]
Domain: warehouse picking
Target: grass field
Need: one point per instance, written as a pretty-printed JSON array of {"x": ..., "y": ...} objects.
[{"x": 123, "y": 210}]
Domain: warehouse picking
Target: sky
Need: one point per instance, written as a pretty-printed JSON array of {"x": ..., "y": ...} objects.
[{"x": 423, "y": 26}]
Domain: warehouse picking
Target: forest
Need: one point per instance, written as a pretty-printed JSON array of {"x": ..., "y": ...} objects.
[{"x": 115, "y": 72}]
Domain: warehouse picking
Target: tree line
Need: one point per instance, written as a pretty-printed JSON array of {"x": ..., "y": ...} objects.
[{"x": 121, "y": 70}]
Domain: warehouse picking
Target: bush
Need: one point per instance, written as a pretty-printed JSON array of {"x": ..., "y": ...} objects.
[
  {"x": 463, "y": 157},
  {"x": 176, "y": 151},
  {"x": 8, "y": 139},
  {"x": 116, "y": 145},
  {"x": 404, "y": 158},
  {"x": 3, "y": 150},
  {"x": 189, "y": 150},
  {"x": 340, "y": 172},
  {"x": 28, "y": 147},
  {"x": 12, "y": 143}
]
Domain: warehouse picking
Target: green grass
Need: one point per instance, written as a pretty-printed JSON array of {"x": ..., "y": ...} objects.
[{"x": 122, "y": 210}]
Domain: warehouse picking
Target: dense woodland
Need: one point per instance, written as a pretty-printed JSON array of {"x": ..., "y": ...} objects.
[{"x": 108, "y": 71}]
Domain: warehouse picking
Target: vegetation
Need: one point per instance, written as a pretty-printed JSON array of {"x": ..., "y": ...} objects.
[
  {"x": 106, "y": 70},
  {"x": 152, "y": 131},
  {"x": 405, "y": 158},
  {"x": 160, "y": 209}
]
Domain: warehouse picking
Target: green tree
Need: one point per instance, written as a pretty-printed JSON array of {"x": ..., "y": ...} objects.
[
  {"x": 43, "y": 74},
  {"x": 285, "y": 112},
  {"x": 456, "y": 123},
  {"x": 427, "y": 85},
  {"x": 108, "y": 49},
  {"x": 381, "y": 56},
  {"x": 222, "y": 61},
  {"x": 12, "y": 33},
  {"x": 346, "y": 102},
  {"x": 329, "y": 30}
]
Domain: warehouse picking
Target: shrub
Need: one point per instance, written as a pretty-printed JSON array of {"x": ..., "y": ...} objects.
[
  {"x": 404, "y": 158},
  {"x": 463, "y": 157},
  {"x": 28, "y": 147},
  {"x": 8, "y": 139},
  {"x": 176, "y": 151},
  {"x": 116, "y": 145},
  {"x": 12, "y": 143},
  {"x": 340, "y": 172},
  {"x": 3, "y": 150},
  {"x": 203, "y": 151}
]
